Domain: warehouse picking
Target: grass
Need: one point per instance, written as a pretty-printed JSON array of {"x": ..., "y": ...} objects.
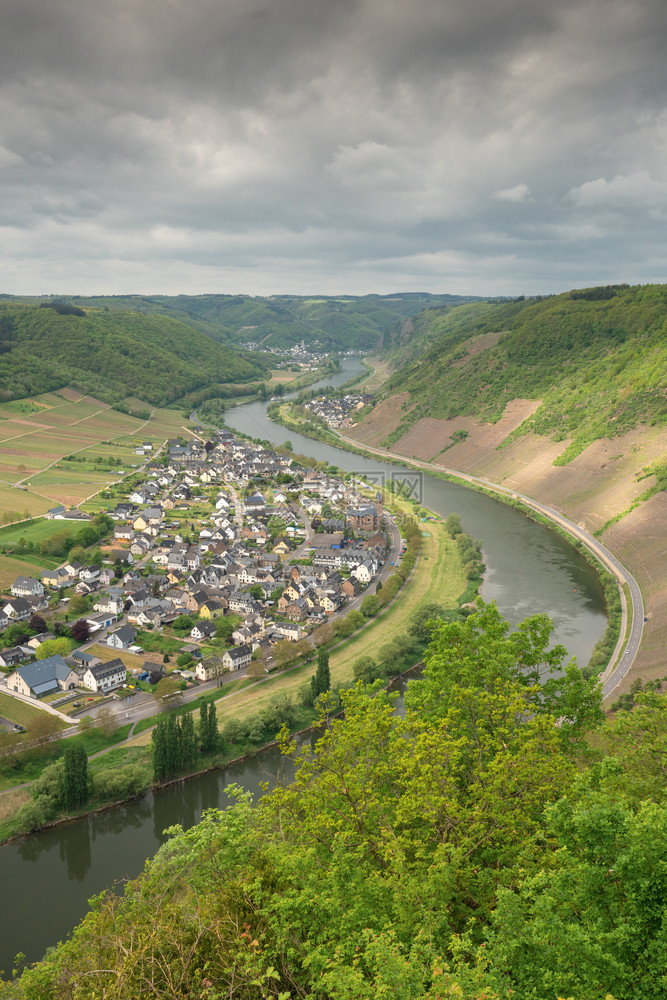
[
  {"x": 106, "y": 653},
  {"x": 18, "y": 711},
  {"x": 33, "y": 531},
  {"x": 155, "y": 642},
  {"x": 10, "y": 568}
]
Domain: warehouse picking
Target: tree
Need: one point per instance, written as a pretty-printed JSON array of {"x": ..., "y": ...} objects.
[
  {"x": 481, "y": 653},
  {"x": 74, "y": 791},
  {"x": 453, "y": 525},
  {"x": 366, "y": 670},
  {"x": 224, "y": 628},
  {"x": 424, "y": 619},
  {"x": 168, "y": 691},
  {"x": 52, "y": 646},
  {"x": 256, "y": 669},
  {"x": 37, "y": 623},
  {"x": 43, "y": 728},
  {"x": 208, "y": 728},
  {"x": 188, "y": 741},
  {"x": 80, "y": 630},
  {"x": 320, "y": 682},
  {"x": 370, "y": 606},
  {"x": 77, "y": 605},
  {"x": 106, "y": 720}
]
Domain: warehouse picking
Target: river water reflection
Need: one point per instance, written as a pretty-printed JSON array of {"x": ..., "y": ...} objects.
[{"x": 47, "y": 878}]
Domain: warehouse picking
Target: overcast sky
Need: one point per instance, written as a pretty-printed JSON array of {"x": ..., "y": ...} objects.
[{"x": 479, "y": 146}]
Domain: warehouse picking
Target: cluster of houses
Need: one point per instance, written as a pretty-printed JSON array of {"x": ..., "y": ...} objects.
[
  {"x": 235, "y": 558},
  {"x": 337, "y": 412}
]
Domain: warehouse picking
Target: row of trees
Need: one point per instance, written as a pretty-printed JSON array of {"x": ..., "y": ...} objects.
[{"x": 176, "y": 744}]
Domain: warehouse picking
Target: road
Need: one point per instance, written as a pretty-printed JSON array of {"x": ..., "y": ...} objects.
[{"x": 626, "y": 650}]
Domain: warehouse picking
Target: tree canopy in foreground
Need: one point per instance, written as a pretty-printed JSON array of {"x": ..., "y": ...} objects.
[{"x": 502, "y": 840}]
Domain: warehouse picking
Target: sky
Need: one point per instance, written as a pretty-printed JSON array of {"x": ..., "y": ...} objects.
[{"x": 482, "y": 147}]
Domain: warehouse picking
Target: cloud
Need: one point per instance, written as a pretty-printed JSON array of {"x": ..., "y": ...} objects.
[
  {"x": 635, "y": 192},
  {"x": 304, "y": 144},
  {"x": 517, "y": 194}
]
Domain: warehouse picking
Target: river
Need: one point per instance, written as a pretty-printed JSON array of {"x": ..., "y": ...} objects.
[{"x": 47, "y": 878}]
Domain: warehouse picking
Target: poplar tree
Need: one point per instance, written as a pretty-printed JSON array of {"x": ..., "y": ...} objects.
[
  {"x": 320, "y": 682},
  {"x": 188, "y": 742},
  {"x": 74, "y": 791}
]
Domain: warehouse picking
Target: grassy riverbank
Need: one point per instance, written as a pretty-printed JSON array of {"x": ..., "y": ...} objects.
[{"x": 250, "y": 713}]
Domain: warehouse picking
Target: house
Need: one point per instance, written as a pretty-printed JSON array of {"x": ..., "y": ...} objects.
[
  {"x": 15, "y": 654},
  {"x": 18, "y": 609},
  {"x": 123, "y": 533},
  {"x": 35, "y": 680},
  {"x": 210, "y": 667},
  {"x": 203, "y": 630},
  {"x": 55, "y": 577},
  {"x": 122, "y": 637},
  {"x": 36, "y": 640},
  {"x": 237, "y": 658},
  {"x": 297, "y": 610},
  {"x": 84, "y": 659},
  {"x": 89, "y": 574},
  {"x": 212, "y": 608},
  {"x": 105, "y": 677},
  {"x": 289, "y": 630},
  {"x": 27, "y": 586},
  {"x": 365, "y": 571}
]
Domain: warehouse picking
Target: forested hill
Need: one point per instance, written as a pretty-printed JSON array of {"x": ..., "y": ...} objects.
[
  {"x": 112, "y": 354},
  {"x": 596, "y": 359},
  {"x": 342, "y": 323}
]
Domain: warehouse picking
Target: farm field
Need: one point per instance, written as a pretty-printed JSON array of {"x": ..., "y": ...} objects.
[
  {"x": 18, "y": 711},
  {"x": 11, "y": 568},
  {"x": 33, "y": 531},
  {"x": 36, "y": 434}
]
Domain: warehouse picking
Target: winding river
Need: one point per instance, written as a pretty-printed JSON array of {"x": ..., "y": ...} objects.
[{"x": 47, "y": 878}]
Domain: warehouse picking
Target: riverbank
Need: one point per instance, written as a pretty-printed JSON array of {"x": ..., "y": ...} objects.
[
  {"x": 622, "y": 619},
  {"x": 436, "y": 571}
]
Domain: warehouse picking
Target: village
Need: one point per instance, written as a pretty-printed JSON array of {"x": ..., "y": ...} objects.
[
  {"x": 221, "y": 559},
  {"x": 337, "y": 411}
]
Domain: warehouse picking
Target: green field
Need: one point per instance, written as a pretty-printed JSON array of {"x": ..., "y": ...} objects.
[
  {"x": 11, "y": 568},
  {"x": 34, "y": 531},
  {"x": 18, "y": 711}
]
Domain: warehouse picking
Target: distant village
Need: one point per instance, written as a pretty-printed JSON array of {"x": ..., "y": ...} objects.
[
  {"x": 224, "y": 533},
  {"x": 338, "y": 412}
]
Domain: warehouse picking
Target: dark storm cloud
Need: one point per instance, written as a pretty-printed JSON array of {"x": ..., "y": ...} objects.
[{"x": 356, "y": 145}]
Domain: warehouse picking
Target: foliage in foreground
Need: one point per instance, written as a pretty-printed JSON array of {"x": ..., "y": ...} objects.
[{"x": 477, "y": 848}]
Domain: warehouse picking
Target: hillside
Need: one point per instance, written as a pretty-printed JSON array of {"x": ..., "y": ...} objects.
[
  {"x": 563, "y": 399},
  {"x": 597, "y": 366},
  {"x": 332, "y": 323},
  {"x": 112, "y": 354},
  {"x": 469, "y": 849}
]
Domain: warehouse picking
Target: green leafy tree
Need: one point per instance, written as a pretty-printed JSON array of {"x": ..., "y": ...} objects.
[
  {"x": 74, "y": 789},
  {"x": 53, "y": 646},
  {"x": 320, "y": 682}
]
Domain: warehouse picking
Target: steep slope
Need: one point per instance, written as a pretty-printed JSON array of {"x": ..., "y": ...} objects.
[
  {"x": 564, "y": 400},
  {"x": 596, "y": 365},
  {"x": 112, "y": 354}
]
